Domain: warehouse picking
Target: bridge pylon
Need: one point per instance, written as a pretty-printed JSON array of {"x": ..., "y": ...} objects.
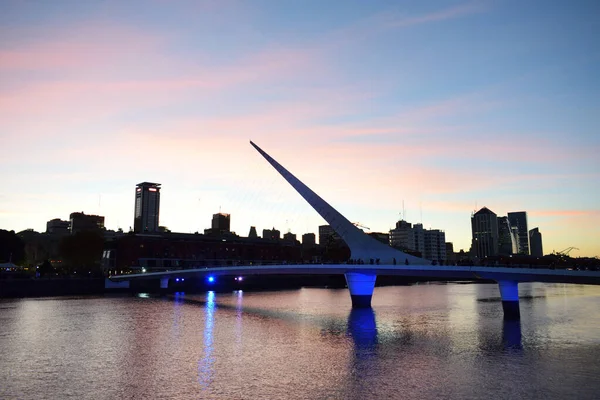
[
  {"x": 509, "y": 292},
  {"x": 361, "y": 286}
]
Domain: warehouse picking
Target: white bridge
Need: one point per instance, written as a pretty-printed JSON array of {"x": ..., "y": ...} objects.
[{"x": 361, "y": 277}]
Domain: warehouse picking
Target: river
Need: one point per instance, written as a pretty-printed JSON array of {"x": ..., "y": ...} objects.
[{"x": 418, "y": 342}]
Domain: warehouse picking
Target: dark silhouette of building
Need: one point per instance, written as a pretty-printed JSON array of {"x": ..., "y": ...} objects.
[
  {"x": 166, "y": 251},
  {"x": 382, "y": 237},
  {"x": 221, "y": 223},
  {"x": 518, "y": 222},
  {"x": 252, "y": 234},
  {"x": 290, "y": 237},
  {"x": 535, "y": 243},
  {"x": 80, "y": 222},
  {"x": 272, "y": 234},
  {"x": 328, "y": 236},
  {"x": 57, "y": 226},
  {"x": 309, "y": 240},
  {"x": 147, "y": 206},
  {"x": 484, "y": 228}
]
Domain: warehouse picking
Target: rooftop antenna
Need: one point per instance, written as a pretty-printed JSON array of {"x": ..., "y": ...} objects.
[
  {"x": 421, "y": 211},
  {"x": 403, "y": 211}
]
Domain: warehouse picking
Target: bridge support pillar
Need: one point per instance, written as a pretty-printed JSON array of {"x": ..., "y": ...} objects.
[
  {"x": 361, "y": 286},
  {"x": 509, "y": 291},
  {"x": 164, "y": 283}
]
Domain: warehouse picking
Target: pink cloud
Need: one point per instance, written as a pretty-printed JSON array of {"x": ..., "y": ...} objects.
[{"x": 93, "y": 44}]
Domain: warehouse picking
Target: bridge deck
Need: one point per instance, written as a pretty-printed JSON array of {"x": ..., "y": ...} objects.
[{"x": 427, "y": 271}]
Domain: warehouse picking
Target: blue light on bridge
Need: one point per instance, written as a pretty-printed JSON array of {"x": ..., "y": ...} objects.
[{"x": 211, "y": 279}]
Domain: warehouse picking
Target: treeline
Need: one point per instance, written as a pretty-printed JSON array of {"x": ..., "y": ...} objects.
[{"x": 47, "y": 255}]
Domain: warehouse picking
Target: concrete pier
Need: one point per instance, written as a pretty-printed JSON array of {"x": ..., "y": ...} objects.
[
  {"x": 509, "y": 291},
  {"x": 361, "y": 286}
]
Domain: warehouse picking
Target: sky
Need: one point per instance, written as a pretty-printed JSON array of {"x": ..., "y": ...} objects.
[{"x": 425, "y": 111}]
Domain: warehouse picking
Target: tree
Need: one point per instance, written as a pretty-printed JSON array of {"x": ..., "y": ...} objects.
[
  {"x": 12, "y": 247},
  {"x": 46, "y": 268},
  {"x": 82, "y": 251}
]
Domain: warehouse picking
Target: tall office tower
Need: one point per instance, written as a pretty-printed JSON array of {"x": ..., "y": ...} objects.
[
  {"x": 252, "y": 234},
  {"x": 484, "y": 229},
  {"x": 308, "y": 240},
  {"x": 435, "y": 245},
  {"x": 518, "y": 221},
  {"x": 535, "y": 243},
  {"x": 147, "y": 205},
  {"x": 506, "y": 242},
  {"x": 419, "y": 239},
  {"x": 221, "y": 223},
  {"x": 402, "y": 236}
]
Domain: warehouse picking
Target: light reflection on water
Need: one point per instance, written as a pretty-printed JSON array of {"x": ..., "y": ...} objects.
[
  {"x": 422, "y": 341},
  {"x": 205, "y": 366}
]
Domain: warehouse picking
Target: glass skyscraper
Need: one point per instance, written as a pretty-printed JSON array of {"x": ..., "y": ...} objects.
[
  {"x": 518, "y": 222},
  {"x": 484, "y": 227}
]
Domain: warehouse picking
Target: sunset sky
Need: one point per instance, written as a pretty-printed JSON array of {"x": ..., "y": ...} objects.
[{"x": 443, "y": 106}]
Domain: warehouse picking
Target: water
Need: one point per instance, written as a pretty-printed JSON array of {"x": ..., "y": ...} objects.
[{"x": 418, "y": 342}]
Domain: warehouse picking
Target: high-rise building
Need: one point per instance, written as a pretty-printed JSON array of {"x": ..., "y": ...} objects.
[
  {"x": 435, "y": 244},
  {"x": 81, "y": 222},
  {"x": 484, "y": 229},
  {"x": 221, "y": 223},
  {"x": 430, "y": 243},
  {"x": 402, "y": 236},
  {"x": 328, "y": 236},
  {"x": 535, "y": 243},
  {"x": 518, "y": 222},
  {"x": 419, "y": 238},
  {"x": 506, "y": 242},
  {"x": 147, "y": 205}
]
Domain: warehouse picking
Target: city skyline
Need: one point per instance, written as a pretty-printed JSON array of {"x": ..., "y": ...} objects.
[
  {"x": 220, "y": 224},
  {"x": 444, "y": 107}
]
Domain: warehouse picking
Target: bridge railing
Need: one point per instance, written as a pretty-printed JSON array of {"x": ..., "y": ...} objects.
[{"x": 216, "y": 263}]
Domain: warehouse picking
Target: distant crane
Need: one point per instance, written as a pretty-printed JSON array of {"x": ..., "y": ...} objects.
[
  {"x": 359, "y": 225},
  {"x": 566, "y": 251}
]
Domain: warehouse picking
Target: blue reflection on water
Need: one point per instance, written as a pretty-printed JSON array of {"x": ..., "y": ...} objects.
[
  {"x": 205, "y": 365},
  {"x": 511, "y": 335},
  {"x": 362, "y": 327}
]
